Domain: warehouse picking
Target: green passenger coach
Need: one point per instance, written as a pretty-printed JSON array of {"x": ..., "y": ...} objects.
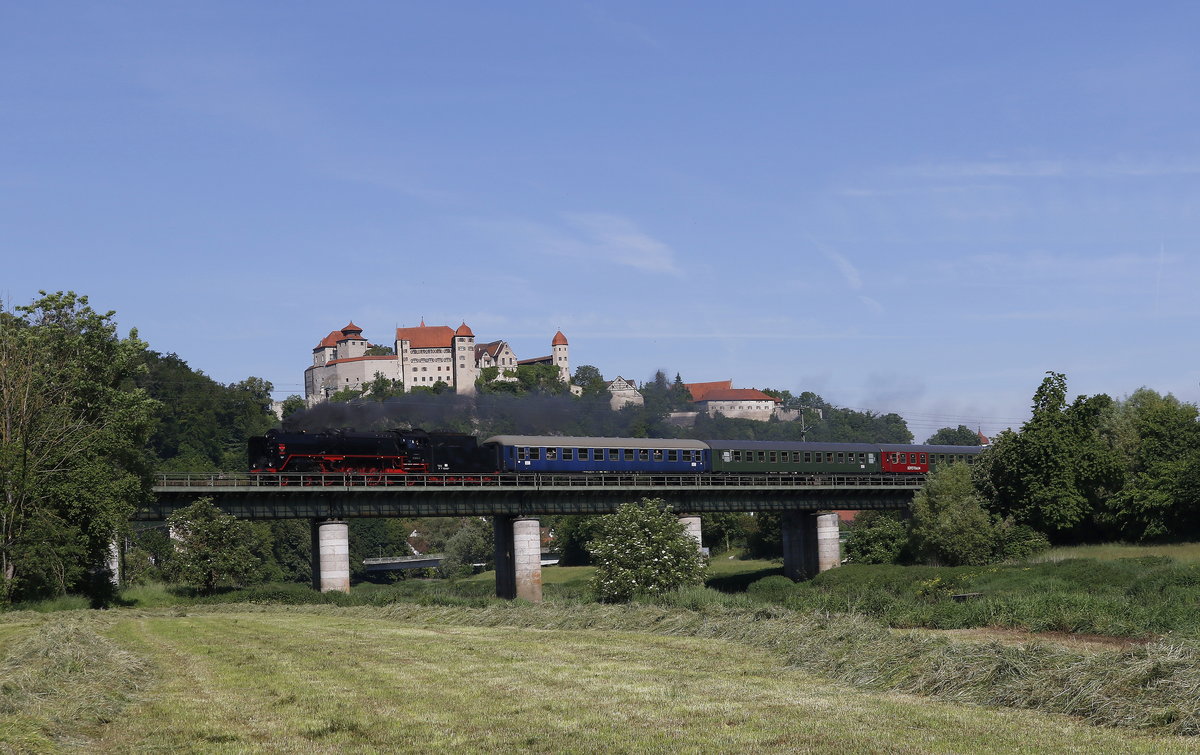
[{"x": 788, "y": 458}]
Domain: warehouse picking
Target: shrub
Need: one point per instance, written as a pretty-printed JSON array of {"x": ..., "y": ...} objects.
[
  {"x": 876, "y": 537},
  {"x": 643, "y": 549},
  {"x": 950, "y": 526}
]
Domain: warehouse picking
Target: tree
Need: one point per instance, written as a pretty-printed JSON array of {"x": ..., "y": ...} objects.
[
  {"x": 590, "y": 380},
  {"x": 213, "y": 548},
  {"x": 291, "y": 405},
  {"x": 876, "y": 537},
  {"x": 643, "y": 549},
  {"x": 73, "y": 431},
  {"x": 381, "y": 388},
  {"x": 954, "y": 436},
  {"x": 472, "y": 544},
  {"x": 379, "y": 351},
  {"x": 950, "y": 527},
  {"x": 1159, "y": 439},
  {"x": 572, "y": 535},
  {"x": 540, "y": 378},
  {"x": 1057, "y": 472}
]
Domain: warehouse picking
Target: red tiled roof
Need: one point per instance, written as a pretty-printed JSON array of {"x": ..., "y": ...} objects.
[
  {"x": 700, "y": 390},
  {"x": 425, "y": 337},
  {"x": 559, "y": 339},
  {"x": 464, "y": 331},
  {"x": 329, "y": 341},
  {"x": 737, "y": 394},
  {"x": 351, "y": 328},
  {"x": 537, "y": 360}
]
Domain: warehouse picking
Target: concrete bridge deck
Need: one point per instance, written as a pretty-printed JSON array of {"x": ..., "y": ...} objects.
[
  {"x": 515, "y": 500},
  {"x": 344, "y": 495}
]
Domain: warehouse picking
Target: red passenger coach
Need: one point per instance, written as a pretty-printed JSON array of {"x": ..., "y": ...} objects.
[
  {"x": 905, "y": 462},
  {"x": 919, "y": 459}
]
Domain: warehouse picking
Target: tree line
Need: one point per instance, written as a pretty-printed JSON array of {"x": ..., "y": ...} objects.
[
  {"x": 88, "y": 416},
  {"x": 1091, "y": 469}
]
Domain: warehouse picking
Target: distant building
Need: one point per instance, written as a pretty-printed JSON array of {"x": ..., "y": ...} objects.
[
  {"x": 624, "y": 393},
  {"x": 423, "y": 356},
  {"x": 721, "y": 397}
]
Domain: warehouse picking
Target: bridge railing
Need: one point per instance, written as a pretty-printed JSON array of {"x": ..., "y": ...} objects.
[{"x": 534, "y": 481}]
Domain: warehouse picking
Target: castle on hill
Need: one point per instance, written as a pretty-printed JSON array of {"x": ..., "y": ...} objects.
[{"x": 422, "y": 356}]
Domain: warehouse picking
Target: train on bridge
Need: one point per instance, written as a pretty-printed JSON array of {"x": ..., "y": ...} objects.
[{"x": 384, "y": 455}]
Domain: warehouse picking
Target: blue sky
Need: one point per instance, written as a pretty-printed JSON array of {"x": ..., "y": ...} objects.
[{"x": 910, "y": 207}]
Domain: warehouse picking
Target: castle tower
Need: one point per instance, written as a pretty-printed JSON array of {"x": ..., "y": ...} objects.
[
  {"x": 465, "y": 367},
  {"x": 560, "y": 356},
  {"x": 351, "y": 344}
]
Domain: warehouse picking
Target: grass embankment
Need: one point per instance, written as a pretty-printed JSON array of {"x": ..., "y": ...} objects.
[
  {"x": 1130, "y": 597},
  {"x": 514, "y": 677},
  {"x": 1139, "y": 598}
]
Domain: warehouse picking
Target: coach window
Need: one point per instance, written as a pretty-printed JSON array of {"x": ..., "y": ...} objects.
[
  {"x": 808, "y": 457},
  {"x": 627, "y": 453},
  {"x": 771, "y": 457},
  {"x": 643, "y": 454},
  {"x": 870, "y": 458},
  {"x": 924, "y": 458},
  {"x": 841, "y": 458},
  {"x": 829, "y": 457},
  {"x": 535, "y": 453},
  {"x": 761, "y": 456},
  {"x": 658, "y": 454},
  {"x": 581, "y": 454},
  {"x": 614, "y": 454},
  {"x": 598, "y": 454},
  {"x": 522, "y": 453},
  {"x": 672, "y": 455},
  {"x": 551, "y": 454},
  {"x": 568, "y": 454}
]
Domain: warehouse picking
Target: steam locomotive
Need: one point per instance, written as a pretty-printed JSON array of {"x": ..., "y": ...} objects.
[{"x": 403, "y": 452}]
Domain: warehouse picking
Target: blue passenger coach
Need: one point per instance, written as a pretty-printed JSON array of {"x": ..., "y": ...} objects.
[{"x": 542, "y": 453}]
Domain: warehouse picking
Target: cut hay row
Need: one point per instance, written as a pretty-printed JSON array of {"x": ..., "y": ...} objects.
[{"x": 1154, "y": 686}]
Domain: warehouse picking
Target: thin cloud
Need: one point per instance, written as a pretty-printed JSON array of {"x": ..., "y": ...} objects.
[
  {"x": 591, "y": 237},
  {"x": 1051, "y": 169},
  {"x": 845, "y": 267},
  {"x": 623, "y": 242},
  {"x": 871, "y": 304}
]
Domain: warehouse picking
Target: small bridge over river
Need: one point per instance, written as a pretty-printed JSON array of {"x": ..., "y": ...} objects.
[{"x": 810, "y": 538}]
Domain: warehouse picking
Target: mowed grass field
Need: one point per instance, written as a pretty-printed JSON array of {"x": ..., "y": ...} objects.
[{"x": 326, "y": 679}]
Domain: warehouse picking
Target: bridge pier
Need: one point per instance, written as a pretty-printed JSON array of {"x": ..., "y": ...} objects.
[
  {"x": 518, "y": 554},
  {"x": 829, "y": 542},
  {"x": 114, "y": 561},
  {"x": 810, "y": 543},
  {"x": 691, "y": 525},
  {"x": 330, "y": 555}
]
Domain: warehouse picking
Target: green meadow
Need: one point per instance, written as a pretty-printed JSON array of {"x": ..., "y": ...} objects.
[{"x": 752, "y": 663}]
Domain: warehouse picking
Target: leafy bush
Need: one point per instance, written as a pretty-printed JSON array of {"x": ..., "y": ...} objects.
[
  {"x": 643, "y": 549},
  {"x": 876, "y": 537}
]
